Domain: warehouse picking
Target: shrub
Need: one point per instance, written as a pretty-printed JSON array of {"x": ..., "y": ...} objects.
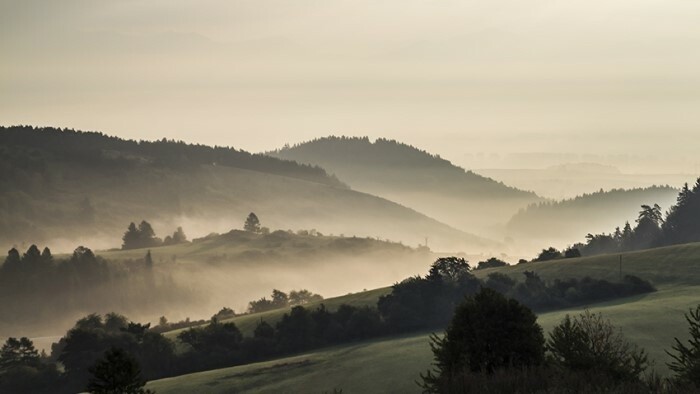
[{"x": 591, "y": 344}]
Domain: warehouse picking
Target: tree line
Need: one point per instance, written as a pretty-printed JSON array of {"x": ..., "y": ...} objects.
[
  {"x": 653, "y": 228},
  {"x": 37, "y": 288}
]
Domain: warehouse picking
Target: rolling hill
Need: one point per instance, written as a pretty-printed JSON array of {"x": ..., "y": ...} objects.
[
  {"x": 651, "y": 321},
  {"x": 414, "y": 178},
  {"x": 568, "y": 221},
  {"x": 67, "y": 187}
]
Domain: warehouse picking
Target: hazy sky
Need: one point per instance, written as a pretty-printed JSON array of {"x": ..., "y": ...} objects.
[{"x": 477, "y": 81}]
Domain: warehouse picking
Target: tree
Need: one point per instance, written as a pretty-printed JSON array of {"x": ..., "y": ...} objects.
[
  {"x": 141, "y": 237},
  {"x": 252, "y": 223},
  {"x": 279, "y": 299},
  {"x": 491, "y": 263},
  {"x": 117, "y": 373},
  {"x": 488, "y": 332},
  {"x": 686, "y": 358},
  {"x": 303, "y": 297},
  {"x": 12, "y": 262},
  {"x": 18, "y": 352},
  {"x": 548, "y": 254},
  {"x": 448, "y": 269},
  {"x": 589, "y": 343},
  {"x": 571, "y": 253},
  {"x": 131, "y": 237},
  {"x": 648, "y": 230}
]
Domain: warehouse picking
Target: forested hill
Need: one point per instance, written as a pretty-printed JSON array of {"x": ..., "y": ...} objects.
[
  {"x": 94, "y": 148},
  {"x": 360, "y": 161},
  {"x": 413, "y": 177},
  {"x": 65, "y": 188},
  {"x": 569, "y": 221}
]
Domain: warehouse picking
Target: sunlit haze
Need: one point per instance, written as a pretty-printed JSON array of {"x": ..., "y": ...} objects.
[{"x": 486, "y": 84}]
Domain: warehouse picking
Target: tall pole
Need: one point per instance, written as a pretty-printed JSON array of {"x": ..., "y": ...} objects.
[{"x": 620, "y": 268}]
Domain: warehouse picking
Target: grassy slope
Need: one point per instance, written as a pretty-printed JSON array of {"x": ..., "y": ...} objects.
[
  {"x": 247, "y": 323},
  {"x": 392, "y": 365}
]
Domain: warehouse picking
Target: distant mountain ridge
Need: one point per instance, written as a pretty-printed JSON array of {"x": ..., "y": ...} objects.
[
  {"x": 413, "y": 177},
  {"x": 76, "y": 186}
]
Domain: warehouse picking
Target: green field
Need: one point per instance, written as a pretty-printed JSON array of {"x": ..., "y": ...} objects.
[{"x": 392, "y": 365}]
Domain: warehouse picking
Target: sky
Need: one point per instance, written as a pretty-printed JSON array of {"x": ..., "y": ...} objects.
[{"x": 493, "y": 83}]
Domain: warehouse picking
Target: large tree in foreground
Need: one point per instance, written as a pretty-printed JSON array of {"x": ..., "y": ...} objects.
[
  {"x": 117, "y": 373},
  {"x": 488, "y": 332},
  {"x": 686, "y": 358}
]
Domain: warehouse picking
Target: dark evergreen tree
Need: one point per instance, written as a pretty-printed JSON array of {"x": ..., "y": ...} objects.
[
  {"x": 18, "y": 352},
  {"x": 12, "y": 262},
  {"x": 686, "y": 358},
  {"x": 131, "y": 237},
  {"x": 647, "y": 233},
  {"x": 252, "y": 223}
]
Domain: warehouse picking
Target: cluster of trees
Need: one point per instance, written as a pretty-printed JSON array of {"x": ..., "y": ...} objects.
[
  {"x": 38, "y": 289},
  {"x": 494, "y": 344},
  {"x": 98, "y": 354},
  {"x": 279, "y": 299},
  {"x": 652, "y": 229},
  {"x": 562, "y": 293},
  {"x": 425, "y": 302},
  {"x": 144, "y": 236},
  {"x": 222, "y": 344},
  {"x": 492, "y": 262}
]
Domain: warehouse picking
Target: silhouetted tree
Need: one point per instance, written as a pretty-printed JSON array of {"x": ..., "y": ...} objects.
[
  {"x": 279, "y": 299},
  {"x": 303, "y": 297},
  {"x": 591, "y": 344},
  {"x": 448, "y": 269},
  {"x": 252, "y": 223},
  {"x": 131, "y": 237},
  {"x": 491, "y": 263},
  {"x": 488, "y": 332},
  {"x": 117, "y": 372},
  {"x": 686, "y": 358},
  {"x": 12, "y": 261},
  {"x": 572, "y": 252},
  {"x": 548, "y": 254},
  {"x": 18, "y": 352},
  {"x": 647, "y": 233}
]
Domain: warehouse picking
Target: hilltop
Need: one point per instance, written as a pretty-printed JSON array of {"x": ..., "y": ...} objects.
[
  {"x": 66, "y": 187},
  {"x": 415, "y": 178}
]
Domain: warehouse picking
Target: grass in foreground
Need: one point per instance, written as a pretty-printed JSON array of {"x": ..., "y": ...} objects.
[{"x": 393, "y": 365}]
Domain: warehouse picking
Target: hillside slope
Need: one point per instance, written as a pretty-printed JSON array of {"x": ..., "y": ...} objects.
[
  {"x": 568, "y": 221},
  {"x": 61, "y": 185},
  {"x": 650, "y": 320},
  {"x": 414, "y": 178}
]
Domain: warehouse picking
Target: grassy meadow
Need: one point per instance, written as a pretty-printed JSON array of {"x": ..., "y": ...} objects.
[{"x": 393, "y": 364}]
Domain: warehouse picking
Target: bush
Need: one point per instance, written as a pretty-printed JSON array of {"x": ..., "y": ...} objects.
[{"x": 588, "y": 343}]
